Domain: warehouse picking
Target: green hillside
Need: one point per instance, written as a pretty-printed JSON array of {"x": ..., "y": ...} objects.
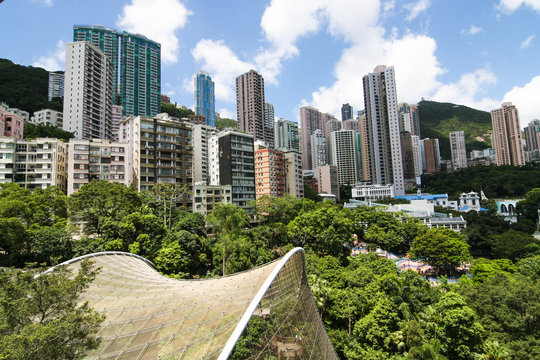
[
  {"x": 438, "y": 119},
  {"x": 25, "y": 87}
]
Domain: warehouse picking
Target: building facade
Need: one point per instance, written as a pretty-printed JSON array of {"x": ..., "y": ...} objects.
[
  {"x": 287, "y": 135},
  {"x": 532, "y": 139},
  {"x": 407, "y": 154},
  {"x": 269, "y": 124},
  {"x": 116, "y": 119},
  {"x": 346, "y": 112},
  {"x": 458, "y": 149},
  {"x": 506, "y": 139},
  {"x": 48, "y": 116},
  {"x": 269, "y": 172},
  {"x": 294, "y": 181},
  {"x": 430, "y": 150},
  {"x": 345, "y": 156},
  {"x": 56, "y": 85},
  {"x": 201, "y": 157},
  {"x": 13, "y": 125},
  {"x": 88, "y": 92},
  {"x": 319, "y": 149},
  {"x": 206, "y": 197},
  {"x": 250, "y": 106},
  {"x": 310, "y": 120},
  {"x": 38, "y": 163},
  {"x": 328, "y": 180},
  {"x": 380, "y": 99},
  {"x": 205, "y": 98}
]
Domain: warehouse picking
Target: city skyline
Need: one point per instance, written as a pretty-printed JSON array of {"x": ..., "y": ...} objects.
[{"x": 444, "y": 51}]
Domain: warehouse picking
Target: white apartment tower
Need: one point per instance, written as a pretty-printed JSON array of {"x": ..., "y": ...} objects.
[
  {"x": 88, "y": 92},
  {"x": 383, "y": 128},
  {"x": 201, "y": 162},
  {"x": 319, "y": 149},
  {"x": 457, "y": 147},
  {"x": 345, "y": 156}
]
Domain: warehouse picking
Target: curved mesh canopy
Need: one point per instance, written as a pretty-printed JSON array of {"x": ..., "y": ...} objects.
[{"x": 150, "y": 316}]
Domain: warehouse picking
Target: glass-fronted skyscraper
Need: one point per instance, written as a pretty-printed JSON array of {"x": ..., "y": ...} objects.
[
  {"x": 205, "y": 97},
  {"x": 136, "y": 63}
]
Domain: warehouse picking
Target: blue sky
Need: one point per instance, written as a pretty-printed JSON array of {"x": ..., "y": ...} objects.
[{"x": 310, "y": 52}]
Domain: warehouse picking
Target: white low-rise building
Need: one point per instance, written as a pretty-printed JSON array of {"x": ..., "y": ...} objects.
[
  {"x": 206, "y": 197},
  {"x": 372, "y": 192},
  {"x": 48, "y": 116}
]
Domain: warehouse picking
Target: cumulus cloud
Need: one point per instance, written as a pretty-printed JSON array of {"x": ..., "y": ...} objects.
[
  {"x": 416, "y": 8},
  {"x": 225, "y": 113},
  {"x": 223, "y": 65},
  {"x": 509, "y": 6},
  {"x": 473, "y": 30},
  {"x": 157, "y": 20},
  {"x": 54, "y": 60},
  {"x": 526, "y": 100},
  {"x": 527, "y": 42}
]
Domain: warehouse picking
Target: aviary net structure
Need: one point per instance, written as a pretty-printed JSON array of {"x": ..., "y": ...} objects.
[{"x": 264, "y": 313}]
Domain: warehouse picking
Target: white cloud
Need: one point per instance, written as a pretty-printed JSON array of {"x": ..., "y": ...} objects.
[
  {"x": 54, "y": 60},
  {"x": 416, "y": 8},
  {"x": 222, "y": 64},
  {"x": 47, "y": 3},
  {"x": 527, "y": 42},
  {"x": 473, "y": 30},
  {"x": 509, "y": 6},
  {"x": 526, "y": 100},
  {"x": 225, "y": 113},
  {"x": 389, "y": 5},
  {"x": 157, "y": 20}
]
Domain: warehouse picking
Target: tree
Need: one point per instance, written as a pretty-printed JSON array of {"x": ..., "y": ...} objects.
[
  {"x": 442, "y": 248},
  {"x": 166, "y": 198},
  {"x": 528, "y": 209},
  {"x": 270, "y": 210},
  {"x": 514, "y": 245},
  {"x": 170, "y": 259},
  {"x": 51, "y": 245},
  {"x": 223, "y": 123},
  {"x": 100, "y": 200},
  {"x": 228, "y": 221},
  {"x": 34, "y": 131},
  {"x": 41, "y": 318},
  {"x": 173, "y": 110}
]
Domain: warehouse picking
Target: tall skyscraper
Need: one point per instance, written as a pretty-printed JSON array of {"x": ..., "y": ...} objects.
[
  {"x": 205, "y": 98},
  {"x": 345, "y": 156},
  {"x": 430, "y": 149},
  {"x": 250, "y": 106},
  {"x": 507, "y": 141},
  {"x": 137, "y": 79},
  {"x": 457, "y": 147},
  {"x": 287, "y": 135},
  {"x": 408, "y": 155},
  {"x": 269, "y": 124},
  {"x": 384, "y": 147},
  {"x": 417, "y": 154},
  {"x": 364, "y": 147},
  {"x": 346, "y": 112},
  {"x": 88, "y": 92},
  {"x": 310, "y": 120}
]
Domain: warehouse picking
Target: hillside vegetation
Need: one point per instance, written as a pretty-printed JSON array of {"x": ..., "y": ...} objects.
[
  {"x": 25, "y": 87},
  {"x": 438, "y": 119}
]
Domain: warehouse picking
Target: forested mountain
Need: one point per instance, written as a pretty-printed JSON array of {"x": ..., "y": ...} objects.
[
  {"x": 25, "y": 87},
  {"x": 438, "y": 119}
]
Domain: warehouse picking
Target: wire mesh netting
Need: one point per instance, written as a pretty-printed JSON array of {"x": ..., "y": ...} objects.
[{"x": 150, "y": 316}]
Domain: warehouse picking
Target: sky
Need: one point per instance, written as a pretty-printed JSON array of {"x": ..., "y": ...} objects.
[{"x": 310, "y": 52}]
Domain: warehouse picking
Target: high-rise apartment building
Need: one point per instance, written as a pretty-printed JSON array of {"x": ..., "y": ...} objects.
[
  {"x": 532, "y": 139},
  {"x": 205, "y": 97},
  {"x": 269, "y": 171},
  {"x": 137, "y": 78},
  {"x": 294, "y": 181},
  {"x": 407, "y": 154},
  {"x": 97, "y": 159},
  {"x": 506, "y": 139},
  {"x": 345, "y": 156},
  {"x": 287, "y": 135},
  {"x": 201, "y": 158},
  {"x": 330, "y": 124},
  {"x": 383, "y": 128},
  {"x": 250, "y": 106},
  {"x": 88, "y": 92},
  {"x": 38, "y": 163},
  {"x": 162, "y": 152},
  {"x": 328, "y": 180},
  {"x": 56, "y": 85},
  {"x": 233, "y": 159},
  {"x": 351, "y": 124},
  {"x": 364, "y": 147},
  {"x": 409, "y": 118},
  {"x": 116, "y": 119},
  {"x": 319, "y": 149},
  {"x": 417, "y": 155},
  {"x": 458, "y": 150},
  {"x": 269, "y": 124},
  {"x": 310, "y": 120},
  {"x": 346, "y": 112},
  {"x": 430, "y": 149}
]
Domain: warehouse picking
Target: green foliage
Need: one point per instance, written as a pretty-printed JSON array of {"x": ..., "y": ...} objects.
[
  {"x": 495, "y": 181},
  {"x": 51, "y": 245},
  {"x": 172, "y": 110},
  {"x": 527, "y": 210},
  {"x": 483, "y": 269},
  {"x": 272, "y": 210},
  {"x": 34, "y": 131},
  {"x": 438, "y": 119},
  {"x": 442, "y": 248},
  {"x": 25, "y": 87},
  {"x": 311, "y": 194},
  {"x": 41, "y": 318},
  {"x": 223, "y": 123},
  {"x": 100, "y": 201},
  {"x": 481, "y": 227},
  {"x": 514, "y": 245}
]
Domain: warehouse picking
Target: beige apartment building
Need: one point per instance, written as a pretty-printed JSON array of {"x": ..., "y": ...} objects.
[{"x": 507, "y": 139}]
